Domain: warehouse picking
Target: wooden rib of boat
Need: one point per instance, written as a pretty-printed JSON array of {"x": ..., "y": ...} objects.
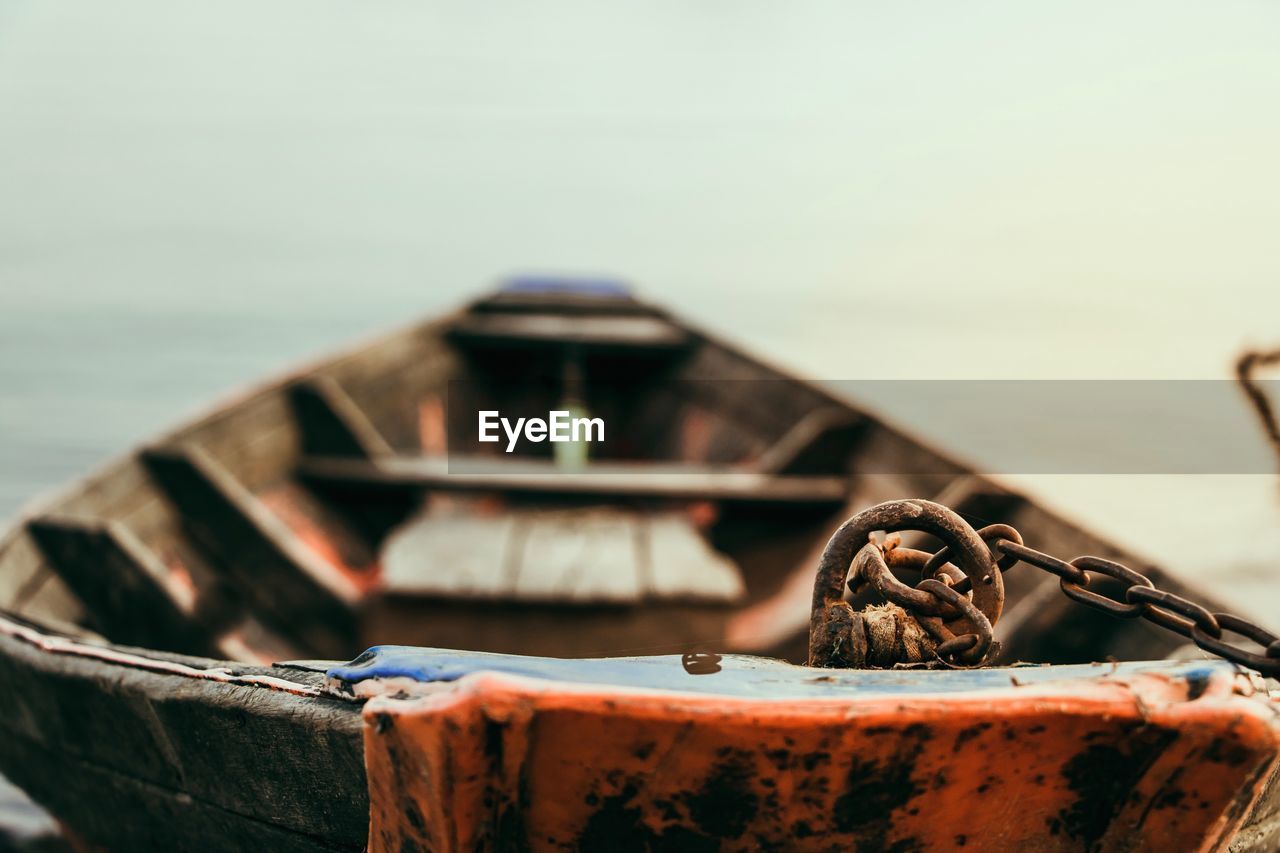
[{"x": 319, "y": 514}]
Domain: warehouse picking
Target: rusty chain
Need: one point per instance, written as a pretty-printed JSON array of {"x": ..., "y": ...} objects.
[
  {"x": 1143, "y": 600},
  {"x": 960, "y": 616}
]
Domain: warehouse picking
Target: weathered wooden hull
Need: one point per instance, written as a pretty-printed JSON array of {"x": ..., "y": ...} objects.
[
  {"x": 129, "y": 759},
  {"x": 439, "y": 750},
  {"x": 255, "y": 534}
]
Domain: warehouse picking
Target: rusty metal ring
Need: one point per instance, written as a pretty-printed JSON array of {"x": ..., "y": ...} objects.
[
  {"x": 971, "y": 554},
  {"x": 912, "y": 560},
  {"x": 957, "y": 646},
  {"x": 989, "y": 534},
  {"x": 948, "y": 644},
  {"x": 982, "y": 645},
  {"x": 902, "y": 595},
  {"x": 1077, "y": 592},
  {"x": 935, "y": 628},
  {"x": 870, "y": 567}
]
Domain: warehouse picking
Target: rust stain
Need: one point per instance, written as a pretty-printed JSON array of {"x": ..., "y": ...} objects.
[{"x": 501, "y": 762}]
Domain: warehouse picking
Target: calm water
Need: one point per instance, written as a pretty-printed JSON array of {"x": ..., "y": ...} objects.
[{"x": 191, "y": 196}]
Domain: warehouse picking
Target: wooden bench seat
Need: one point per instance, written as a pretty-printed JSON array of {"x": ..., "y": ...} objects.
[{"x": 603, "y": 480}]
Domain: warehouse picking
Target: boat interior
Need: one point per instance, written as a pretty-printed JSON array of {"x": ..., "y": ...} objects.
[{"x": 351, "y": 503}]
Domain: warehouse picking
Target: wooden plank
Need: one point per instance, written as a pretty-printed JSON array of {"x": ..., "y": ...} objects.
[
  {"x": 288, "y": 764},
  {"x": 604, "y": 480},
  {"x": 449, "y": 554},
  {"x": 678, "y": 563},
  {"x": 387, "y": 385},
  {"x": 332, "y": 424},
  {"x": 583, "y": 555},
  {"x": 112, "y": 811},
  {"x": 23, "y": 568},
  {"x": 587, "y": 555},
  {"x": 121, "y": 583},
  {"x": 255, "y": 436},
  {"x": 122, "y": 489},
  {"x": 819, "y": 443},
  {"x": 557, "y": 330},
  {"x": 256, "y": 440},
  {"x": 288, "y": 584},
  {"x": 51, "y": 601}
]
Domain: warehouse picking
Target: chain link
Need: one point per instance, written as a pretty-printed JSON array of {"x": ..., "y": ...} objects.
[
  {"x": 1160, "y": 607},
  {"x": 1141, "y": 599},
  {"x": 934, "y": 603},
  {"x": 959, "y": 605}
]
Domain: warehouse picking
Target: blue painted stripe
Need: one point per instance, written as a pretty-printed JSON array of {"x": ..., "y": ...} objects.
[
  {"x": 739, "y": 675},
  {"x": 568, "y": 285}
]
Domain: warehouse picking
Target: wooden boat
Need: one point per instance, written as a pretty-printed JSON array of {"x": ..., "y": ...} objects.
[{"x": 326, "y": 512}]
